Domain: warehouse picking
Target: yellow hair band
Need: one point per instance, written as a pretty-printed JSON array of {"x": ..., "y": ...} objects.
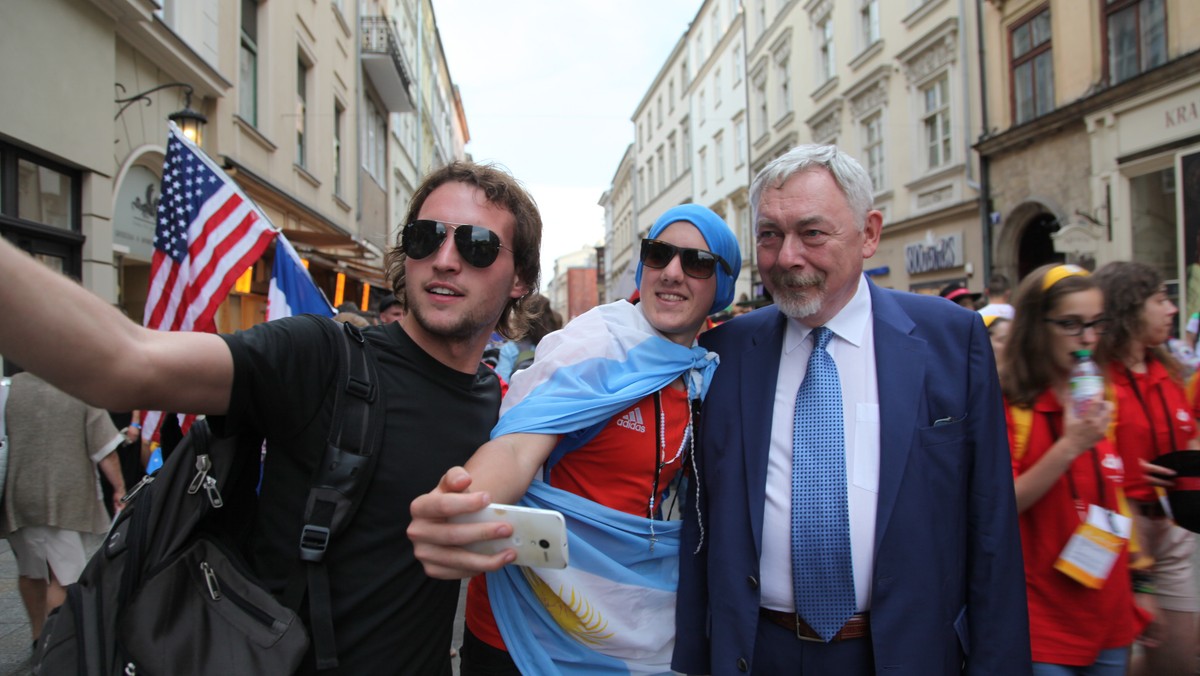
[{"x": 1060, "y": 272}]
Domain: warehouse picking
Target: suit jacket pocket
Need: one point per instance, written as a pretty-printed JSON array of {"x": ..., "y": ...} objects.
[{"x": 943, "y": 433}]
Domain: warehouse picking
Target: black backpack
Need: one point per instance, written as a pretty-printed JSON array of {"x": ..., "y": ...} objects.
[{"x": 169, "y": 591}]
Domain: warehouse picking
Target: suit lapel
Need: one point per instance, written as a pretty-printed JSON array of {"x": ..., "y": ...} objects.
[
  {"x": 900, "y": 370},
  {"x": 758, "y": 378}
]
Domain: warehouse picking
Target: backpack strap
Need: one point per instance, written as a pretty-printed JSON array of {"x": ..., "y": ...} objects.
[{"x": 339, "y": 484}]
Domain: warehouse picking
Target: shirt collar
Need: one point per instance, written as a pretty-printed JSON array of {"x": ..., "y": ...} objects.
[{"x": 849, "y": 324}]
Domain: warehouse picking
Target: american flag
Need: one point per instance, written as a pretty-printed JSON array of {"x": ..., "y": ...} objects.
[{"x": 208, "y": 233}]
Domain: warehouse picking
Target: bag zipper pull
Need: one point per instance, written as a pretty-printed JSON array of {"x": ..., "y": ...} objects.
[
  {"x": 203, "y": 464},
  {"x": 214, "y": 495},
  {"x": 146, "y": 481},
  {"x": 210, "y": 579}
]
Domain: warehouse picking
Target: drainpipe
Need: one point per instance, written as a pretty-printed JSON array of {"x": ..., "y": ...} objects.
[{"x": 985, "y": 186}]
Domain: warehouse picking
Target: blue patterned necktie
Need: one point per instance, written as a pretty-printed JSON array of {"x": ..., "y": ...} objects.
[{"x": 822, "y": 571}]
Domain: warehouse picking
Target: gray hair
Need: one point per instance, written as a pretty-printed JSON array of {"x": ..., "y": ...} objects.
[{"x": 849, "y": 175}]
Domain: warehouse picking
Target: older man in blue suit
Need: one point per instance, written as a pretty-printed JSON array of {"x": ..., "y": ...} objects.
[{"x": 855, "y": 510}]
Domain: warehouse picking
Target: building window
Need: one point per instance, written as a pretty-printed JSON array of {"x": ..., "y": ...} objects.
[
  {"x": 785, "y": 83},
  {"x": 703, "y": 161},
  {"x": 374, "y": 140},
  {"x": 937, "y": 122},
  {"x": 671, "y": 96},
  {"x": 715, "y": 24},
  {"x": 41, "y": 193},
  {"x": 717, "y": 88},
  {"x": 739, "y": 141},
  {"x": 684, "y": 76},
  {"x": 872, "y": 139},
  {"x": 1136, "y": 35},
  {"x": 339, "y": 114},
  {"x": 660, "y": 114},
  {"x": 738, "y": 64},
  {"x": 719, "y": 156},
  {"x": 687, "y": 140},
  {"x": 760, "y": 98},
  {"x": 662, "y": 170},
  {"x": 248, "y": 64},
  {"x": 674, "y": 154},
  {"x": 700, "y": 47},
  {"x": 825, "y": 54},
  {"x": 761, "y": 12},
  {"x": 1033, "y": 68},
  {"x": 302, "y": 71},
  {"x": 868, "y": 21},
  {"x": 703, "y": 107},
  {"x": 650, "y": 174}
]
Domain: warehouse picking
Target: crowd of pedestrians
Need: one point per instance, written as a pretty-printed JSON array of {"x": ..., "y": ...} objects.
[{"x": 850, "y": 480}]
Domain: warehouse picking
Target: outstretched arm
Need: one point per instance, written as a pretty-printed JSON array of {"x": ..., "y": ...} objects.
[
  {"x": 500, "y": 471},
  {"x": 95, "y": 353}
]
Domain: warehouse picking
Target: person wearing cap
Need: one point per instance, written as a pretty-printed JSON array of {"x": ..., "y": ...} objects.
[
  {"x": 958, "y": 293},
  {"x": 597, "y": 428},
  {"x": 1068, "y": 477},
  {"x": 1153, "y": 418},
  {"x": 390, "y": 309}
]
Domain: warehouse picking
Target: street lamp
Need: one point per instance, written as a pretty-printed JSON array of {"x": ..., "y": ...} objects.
[{"x": 190, "y": 122}]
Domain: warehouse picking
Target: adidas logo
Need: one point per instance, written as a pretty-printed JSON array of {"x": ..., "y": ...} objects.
[{"x": 633, "y": 421}]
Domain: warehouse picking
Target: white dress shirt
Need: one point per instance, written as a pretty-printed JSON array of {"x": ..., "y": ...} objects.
[{"x": 853, "y": 350}]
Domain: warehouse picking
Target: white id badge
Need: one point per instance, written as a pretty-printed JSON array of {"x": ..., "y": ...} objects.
[{"x": 1094, "y": 547}]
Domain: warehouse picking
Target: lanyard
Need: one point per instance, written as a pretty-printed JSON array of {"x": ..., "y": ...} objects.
[
  {"x": 1100, "y": 484},
  {"x": 1150, "y": 417}
]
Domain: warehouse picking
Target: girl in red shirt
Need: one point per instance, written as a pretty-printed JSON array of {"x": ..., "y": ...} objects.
[
  {"x": 1067, "y": 474},
  {"x": 1153, "y": 418}
]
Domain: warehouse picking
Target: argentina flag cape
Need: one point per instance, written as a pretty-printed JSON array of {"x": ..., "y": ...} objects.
[{"x": 613, "y": 610}]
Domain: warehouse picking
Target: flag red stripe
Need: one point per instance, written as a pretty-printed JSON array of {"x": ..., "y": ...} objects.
[
  {"x": 156, "y": 319},
  {"x": 196, "y": 286},
  {"x": 204, "y": 321}
]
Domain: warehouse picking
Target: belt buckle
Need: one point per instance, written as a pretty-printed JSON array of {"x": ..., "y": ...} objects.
[{"x": 801, "y": 623}]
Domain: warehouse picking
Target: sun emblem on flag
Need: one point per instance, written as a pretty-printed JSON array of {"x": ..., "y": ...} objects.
[{"x": 573, "y": 613}]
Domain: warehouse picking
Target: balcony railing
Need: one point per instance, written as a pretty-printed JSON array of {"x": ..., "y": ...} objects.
[{"x": 385, "y": 64}]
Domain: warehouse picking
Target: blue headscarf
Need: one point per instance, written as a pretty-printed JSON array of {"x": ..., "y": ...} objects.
[{"x": 720, "y": 240}]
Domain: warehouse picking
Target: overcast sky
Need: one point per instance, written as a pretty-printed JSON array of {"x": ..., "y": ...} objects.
[{"x": 549, "y": 87}]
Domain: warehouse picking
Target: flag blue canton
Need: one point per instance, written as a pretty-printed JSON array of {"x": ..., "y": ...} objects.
[{"x": 187, "y": 184}]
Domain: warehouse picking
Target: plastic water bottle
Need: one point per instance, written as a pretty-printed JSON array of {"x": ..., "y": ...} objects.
[{"x": 1087, "y": 385}]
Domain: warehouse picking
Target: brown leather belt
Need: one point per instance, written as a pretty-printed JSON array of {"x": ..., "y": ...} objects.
[{"x": 856, "y": 627}]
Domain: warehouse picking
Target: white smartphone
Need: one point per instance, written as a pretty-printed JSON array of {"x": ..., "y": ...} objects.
[{"x": 539, "y": 535}]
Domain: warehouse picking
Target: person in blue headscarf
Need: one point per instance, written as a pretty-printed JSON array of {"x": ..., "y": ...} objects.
[{"x": 598, "y": 428}]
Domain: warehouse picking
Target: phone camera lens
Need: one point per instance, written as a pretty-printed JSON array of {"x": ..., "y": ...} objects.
[{"x": 543, "y": 544}]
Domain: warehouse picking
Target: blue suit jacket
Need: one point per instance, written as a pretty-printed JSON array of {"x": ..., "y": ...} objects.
[{"x": 948, "y": 588}]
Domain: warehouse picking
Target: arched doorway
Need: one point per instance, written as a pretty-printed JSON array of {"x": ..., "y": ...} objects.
[{"x": 1036, "y": 246}]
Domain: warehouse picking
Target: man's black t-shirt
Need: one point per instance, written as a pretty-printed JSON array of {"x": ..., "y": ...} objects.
[{"x": 389, "y": 618}]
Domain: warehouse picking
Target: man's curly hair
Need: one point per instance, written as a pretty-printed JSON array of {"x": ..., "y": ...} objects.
[{"x": 501, "y": 190}]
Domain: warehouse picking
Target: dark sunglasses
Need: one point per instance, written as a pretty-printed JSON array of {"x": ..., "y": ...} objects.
[
  {"x": 477, "y": 245},
  {"x": 696, "y": 263}
]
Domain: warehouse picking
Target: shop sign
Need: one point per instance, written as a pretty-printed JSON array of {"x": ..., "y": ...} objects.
[
  {"x": 136, "y": 211},
  {"x": 935, "y": 253}
]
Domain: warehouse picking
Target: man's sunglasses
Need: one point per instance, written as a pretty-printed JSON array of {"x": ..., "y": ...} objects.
[
  {"x": 696, "y": 263},
  {"x": 477, "y": 245}
]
